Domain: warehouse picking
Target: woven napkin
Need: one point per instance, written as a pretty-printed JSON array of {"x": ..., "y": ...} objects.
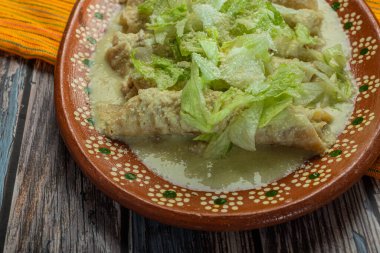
[{"x": 33, "y": 30}]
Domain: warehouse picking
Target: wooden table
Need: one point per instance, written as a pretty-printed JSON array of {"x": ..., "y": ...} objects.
[{"x": 47, "y": 205}]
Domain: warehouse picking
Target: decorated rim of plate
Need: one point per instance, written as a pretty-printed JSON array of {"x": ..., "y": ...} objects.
[{"x": 128, "y": 173}]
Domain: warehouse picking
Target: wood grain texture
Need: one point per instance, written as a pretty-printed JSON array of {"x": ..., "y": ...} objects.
[
  {"x": 13, "y": 71},
  {"x": 54, "y": 208},
  {"x": 349, "y": 224},
  {"x": 150, "y": 236}
]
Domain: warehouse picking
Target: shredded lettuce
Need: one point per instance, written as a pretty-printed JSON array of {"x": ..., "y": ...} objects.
[
  {"x": 228, "y": 103},
  {"x": 286, "y": 79},
  {"x": 264, "y": 19},
  {"x": 147, "y": 7},
  {"x": 217, "y": 4},
  {"x": 331, "y": 74},
  {"x": 218, "y": 146},
  {"x": 209, "y": 70},
  {"x": 211, "y": 50},
  {"x": 229, "y": 46},
  {"x": 304, "y": 37},
  {"x": 335, "y": 57},
  {"x": 236, "y": 7},
  {"x": 207, "y": 14},
  {"x": 193, "y": 103},
  {"x": 162, "y": 71},
  {"x": 259, "y": 43},
  {"x": 274, "y": 106},
  {"x": 165, "y": 23},
  {"x": 242, "y": 131},
  {"x": 310, "y": 93},
  {"x": 243, "y": 63},
  {"x": 190, "y": 43},
  {"x": 241, "y": 70}
]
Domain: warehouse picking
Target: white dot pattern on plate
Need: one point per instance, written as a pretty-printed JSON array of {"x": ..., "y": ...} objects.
[
  {"x": 352, "y": 23},
  {"x": 270, "y": 194},
  {"x": 79, "y": 84},
  {"x": 170, "y": 195},
  {"x": 221, "y": 202},
  {"x": 126, "y": 173},
  {"x": 343, "y": 4},
  {"x": 364, "y": 49},
  {"x": 360, "y": 119},
  {"x": 83, "y": 115},
  {"x": 81, "y": 61},
  {"x": 314, "y": 174},
  {"x": 368, "y": 85},
  {"x": 87, "y": 37},
  {"x": 102, "y": 147}
]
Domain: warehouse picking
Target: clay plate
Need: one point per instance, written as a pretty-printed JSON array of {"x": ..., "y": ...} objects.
[{"x": 114, "y": 169}]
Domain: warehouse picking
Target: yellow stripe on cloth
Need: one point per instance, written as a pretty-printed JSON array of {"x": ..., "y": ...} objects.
[
  {"x": 375, "y": 6},
  {"x": 33, "y": 29}
]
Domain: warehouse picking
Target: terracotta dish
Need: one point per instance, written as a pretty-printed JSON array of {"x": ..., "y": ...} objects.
[{"x": 114, "y": 169}]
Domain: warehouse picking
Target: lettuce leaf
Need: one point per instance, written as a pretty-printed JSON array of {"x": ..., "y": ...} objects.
[
  {"x": 162, "y": 71},
  {"x": 337, "y": 60},
  {"x": 310, "y": 92},
  {"x": 242, "y": 131},
  {"x": 209, "y": 70},
  {"x": 165, "y": 23},
  {"x": 261, "y": 43},
  {"x": 337, "y": 86},
  {"x": 228, "y": 103},
  {"x": 147, "y": 7},
  {"x": 265, "y": 19},
  {"x": 243, "y": 63},
  {"x": 286, "y": 79},
  {"x": 241, "y": 70},
  {"x": 335, "y": 57},
  {"x": 219, "y": 145},
  {"x": 230, "y": 44},
  {"x": 207, "y": 14},
  {"x": 217, "y": 4},
  {"x": 274, "y": 106},
  {"x": 236, "y": 7},
  {"x": 193, "y": 104},
  {"x": 190, "y": 43},
  {"x": 211, "y": 49},
  {"x": 304, "y": 37}
]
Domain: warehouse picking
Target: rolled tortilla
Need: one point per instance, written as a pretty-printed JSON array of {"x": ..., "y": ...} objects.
[
  {"x": 298, "y": 4},
  {"x": 294, "y": 127},
  {"x": 310, "y": 18},
  {"x": 155, "y": 112}
]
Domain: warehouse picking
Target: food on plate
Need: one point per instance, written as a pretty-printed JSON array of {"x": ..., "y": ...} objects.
[
  {"x": 298, "y": 4},
  {"x": 225, "y": 76},
  {"x": 155, "y": 112}
]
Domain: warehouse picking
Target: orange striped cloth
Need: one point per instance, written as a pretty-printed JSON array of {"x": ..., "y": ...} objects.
[
  {"x": 375, "y": 7},
  {"x": 33, "y": 29}
]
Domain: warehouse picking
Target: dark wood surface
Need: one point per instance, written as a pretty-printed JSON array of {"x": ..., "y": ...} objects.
[{"x": 47, "y": 205}]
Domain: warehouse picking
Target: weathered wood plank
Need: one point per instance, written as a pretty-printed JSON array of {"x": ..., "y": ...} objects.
[
  {"x": 372, "y": 188},
  {"x": 13, "y": 71},
  {"x": 349, "y": 224},
  {"x": 151, "y": 236},
  {"x": 54, "y": 207}
]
